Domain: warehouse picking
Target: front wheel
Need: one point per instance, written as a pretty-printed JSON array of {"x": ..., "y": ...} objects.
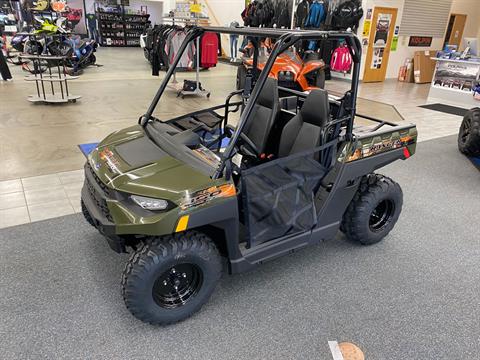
[
  {"x": 374, "y": 210},
  {"x": 169, "y": 279}
]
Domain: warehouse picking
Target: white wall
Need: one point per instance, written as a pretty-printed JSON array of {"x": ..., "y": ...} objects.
[
  {"x": 167, "y": 5},
  {"x": 471, "y": 8},
  {"x": 397, "y": 58},
  {"x": 222, "y": 13},
  {"x": 154, "y": 8}
]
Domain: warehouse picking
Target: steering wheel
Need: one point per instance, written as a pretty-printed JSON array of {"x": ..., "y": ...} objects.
[
  {"x": 247, "y": 146},
  {"x": 252, "y": 149}
]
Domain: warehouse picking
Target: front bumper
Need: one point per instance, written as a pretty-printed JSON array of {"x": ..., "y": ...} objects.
[{"x": 95, "y": 211}]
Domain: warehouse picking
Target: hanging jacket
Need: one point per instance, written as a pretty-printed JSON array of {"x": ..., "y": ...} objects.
[
  {"x": 253, "y": 18},
  {"x": 209, "y": 50},
  {"x": 283, "y": 13},
  {"x": 248, "y": 13},
  {"x": 347, "y": 15},
  {"x": 316, "y": 15},
  {"x": 301, "y": 14},
  {"x": 175, "y": 40},
  {"x": 341, "y": 59}
]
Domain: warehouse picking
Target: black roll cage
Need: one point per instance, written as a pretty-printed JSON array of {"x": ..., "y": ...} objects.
[{"x": 285, "y": 39}]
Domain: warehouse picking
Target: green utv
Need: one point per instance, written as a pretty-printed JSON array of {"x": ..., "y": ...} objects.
[{"x": 294, "y": 173}]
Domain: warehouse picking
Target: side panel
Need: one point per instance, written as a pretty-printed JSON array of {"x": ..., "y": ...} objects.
[
  {"x": 223, "y": 216},
  {"x": 329, "y": 218},
  {"x": 348, "y": 181}
]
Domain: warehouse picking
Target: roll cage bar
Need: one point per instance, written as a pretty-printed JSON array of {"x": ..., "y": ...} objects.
[{"x": 285, "y": 39}]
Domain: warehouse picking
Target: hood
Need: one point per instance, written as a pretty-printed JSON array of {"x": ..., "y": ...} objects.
[{"x": 128, "y": 161}]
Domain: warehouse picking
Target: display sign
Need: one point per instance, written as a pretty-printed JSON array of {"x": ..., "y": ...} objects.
[
  {"x": 377, "y": 58},
  {"x": 420, "y": 41},
  {"x": 369, "y": 14},
  {"x": 196, "y": 8},
  {"x": 366, "y": 28},
  {"x": 394, "y": 45},
  {"x": 382, "y": 29},
  {"x": 456, "y": 75}
]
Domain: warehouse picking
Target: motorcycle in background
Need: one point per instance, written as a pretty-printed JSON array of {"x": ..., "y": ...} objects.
[{"x": 55, "y": 38}]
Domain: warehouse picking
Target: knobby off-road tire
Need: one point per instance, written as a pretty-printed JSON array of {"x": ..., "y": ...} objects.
[
  {"x": 374, "y": 210},
  {"x": 190, "y": 261},
  {"x": 469, "y": 134}
]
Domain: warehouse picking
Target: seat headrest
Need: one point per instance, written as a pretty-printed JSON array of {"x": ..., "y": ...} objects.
[
  {"x": 269, "y": 95},
  {"x": 316, "y": 108}
]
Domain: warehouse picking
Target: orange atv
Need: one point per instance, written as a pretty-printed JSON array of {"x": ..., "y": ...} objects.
[{"x": 289, "y": 69}]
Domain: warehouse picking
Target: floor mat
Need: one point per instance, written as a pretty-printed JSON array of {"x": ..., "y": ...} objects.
[
  {"x": 454, "y": 110},
  {"x": 412, "y": 296}
]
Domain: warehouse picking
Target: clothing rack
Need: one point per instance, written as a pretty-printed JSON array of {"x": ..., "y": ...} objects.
[
  {"x": 198, "y": 90},
  {"x": 174, "y": 80}
]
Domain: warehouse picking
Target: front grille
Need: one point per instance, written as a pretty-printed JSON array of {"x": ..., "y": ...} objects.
[
  {"x": 98, "y": 199},
  {"x": 105, "y": 188}
]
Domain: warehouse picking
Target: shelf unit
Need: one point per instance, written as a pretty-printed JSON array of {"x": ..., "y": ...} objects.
[
  {"x": 120, "y": 28},
  {"x": 48, "y": 82}
]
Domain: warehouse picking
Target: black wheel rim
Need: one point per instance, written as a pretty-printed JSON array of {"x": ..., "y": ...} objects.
[
  {"x": 381, "y": 215},
  {"x": 466, "y": 127},
  {"x": 178, "y": 285}
]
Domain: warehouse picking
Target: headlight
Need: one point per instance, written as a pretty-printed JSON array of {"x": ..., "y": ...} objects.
[{"x": 149, "y": 203}]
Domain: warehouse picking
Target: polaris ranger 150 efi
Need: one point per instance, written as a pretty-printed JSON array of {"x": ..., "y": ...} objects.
[{"x": 294, "y": 172}]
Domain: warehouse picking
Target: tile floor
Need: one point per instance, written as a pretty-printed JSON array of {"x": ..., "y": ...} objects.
[{"x": 40, "y": 197}]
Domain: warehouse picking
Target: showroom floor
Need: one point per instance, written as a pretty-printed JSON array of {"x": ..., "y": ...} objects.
[
  {"x": 39, "y": 156},
  {"x": 412, "y": 296}
]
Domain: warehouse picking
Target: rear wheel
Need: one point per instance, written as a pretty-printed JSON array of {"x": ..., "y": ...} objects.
[
  {"x": 374, "y": 210},
  {"x": 170, "y": 278},
  {"x": 469, "y": 134}
]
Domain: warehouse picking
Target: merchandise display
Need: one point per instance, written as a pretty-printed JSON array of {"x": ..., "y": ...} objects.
[
  {"x": 119, "y": 28},
  {"x": 455, "y": 79},
  {"x": 295, "y": 186},
  {"x": 162, "y": 42},
  {"x": 316, "y": 14},
  {"x": 54, "y": 39}
]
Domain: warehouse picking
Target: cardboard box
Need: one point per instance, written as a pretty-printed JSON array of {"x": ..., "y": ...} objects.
[
  {"x": 402, "y": 73},
  {"x": 405, "y": 73},
  {"x": 424, "y": 66}
]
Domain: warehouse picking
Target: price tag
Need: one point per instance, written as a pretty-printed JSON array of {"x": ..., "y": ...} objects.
[{"x": 237, "y": 159}]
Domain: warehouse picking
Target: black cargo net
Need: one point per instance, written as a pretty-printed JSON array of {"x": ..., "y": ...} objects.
[{"x": 278, "y": 196}]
